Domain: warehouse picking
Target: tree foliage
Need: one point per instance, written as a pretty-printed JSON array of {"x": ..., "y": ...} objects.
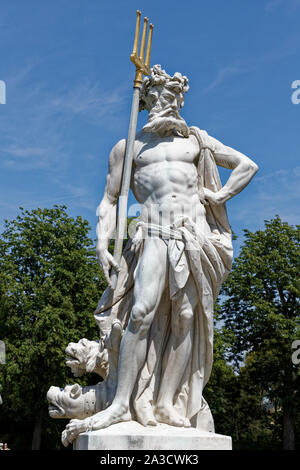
[
  {"x": 235, "y": 399},
  {"x": 49, "y": 286},
  {"x": 261, "y": 310},
  {"x": 50, "y": 283}
]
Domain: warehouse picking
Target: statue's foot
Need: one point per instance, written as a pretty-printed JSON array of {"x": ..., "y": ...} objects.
[
  {"x": 115, "y": 413},
  {"x": 167, "y": 415},
  {"x": 112, "y": 415},
  {"x": 75, "y": 427}
]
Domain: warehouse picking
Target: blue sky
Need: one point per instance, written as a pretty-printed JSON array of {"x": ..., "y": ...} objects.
[{"x": 69, "y": 86}]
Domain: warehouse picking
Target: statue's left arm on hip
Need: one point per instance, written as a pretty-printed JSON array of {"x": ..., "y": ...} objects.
[{"x": 243, "y": 170}]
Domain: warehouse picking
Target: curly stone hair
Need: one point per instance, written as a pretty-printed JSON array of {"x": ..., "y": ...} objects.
[{"x": 159, "y": 77}]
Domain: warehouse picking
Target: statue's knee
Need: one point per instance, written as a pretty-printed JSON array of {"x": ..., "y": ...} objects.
[
  {"x": 186, "y": 317},
  {"x": 139, "y": 318},
  {"x": 183, "y": 322}
]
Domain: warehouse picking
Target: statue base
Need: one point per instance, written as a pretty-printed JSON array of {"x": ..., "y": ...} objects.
[{"x": 133, "y": 436}]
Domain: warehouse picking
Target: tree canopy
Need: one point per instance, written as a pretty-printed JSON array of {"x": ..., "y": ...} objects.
[
  {"x": 50, "y": 283},
  {"x": 260, "y": 309}
]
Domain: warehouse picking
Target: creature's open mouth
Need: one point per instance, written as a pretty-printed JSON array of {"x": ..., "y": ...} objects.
[
  {"x": 71, "y": 361},
  {"x": 56, "y": 411}
]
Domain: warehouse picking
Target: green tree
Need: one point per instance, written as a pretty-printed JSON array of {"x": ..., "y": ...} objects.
[
  {"x": 235, "y": 400},
  {"x": 50, "y": 283},
  {"x": 261, "y": 309}
]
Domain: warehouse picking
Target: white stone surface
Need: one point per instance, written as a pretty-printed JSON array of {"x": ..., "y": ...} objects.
[
  {"x": 168, "y": 280},
  {"x": 133, "y": 436}
]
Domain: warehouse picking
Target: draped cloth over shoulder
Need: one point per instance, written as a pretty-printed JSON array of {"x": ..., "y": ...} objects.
[{"x": 208, "y": 259}]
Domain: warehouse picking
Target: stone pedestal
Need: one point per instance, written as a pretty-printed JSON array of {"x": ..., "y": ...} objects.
[{"x": 134, "y": 436}]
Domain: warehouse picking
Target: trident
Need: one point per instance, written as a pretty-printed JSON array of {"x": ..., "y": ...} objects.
[{"x": 142, "y": 68}]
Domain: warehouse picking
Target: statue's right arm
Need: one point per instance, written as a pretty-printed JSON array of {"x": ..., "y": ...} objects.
[{"x": 107, "y": 209}]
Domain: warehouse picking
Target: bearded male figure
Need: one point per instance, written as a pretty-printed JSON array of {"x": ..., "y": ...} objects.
[{"x": 172, "y": 269}]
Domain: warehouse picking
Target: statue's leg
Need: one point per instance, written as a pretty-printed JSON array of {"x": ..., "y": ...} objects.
[
  {"x": 177, "y": 355},
  {"x": 149, "y": 284}
]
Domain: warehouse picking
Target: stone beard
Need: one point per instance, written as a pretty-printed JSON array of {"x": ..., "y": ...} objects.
[{"x": 165, "y": 121}]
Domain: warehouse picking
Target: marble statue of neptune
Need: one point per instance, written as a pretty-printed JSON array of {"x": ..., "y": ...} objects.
[{"x": 172, "y": 269}]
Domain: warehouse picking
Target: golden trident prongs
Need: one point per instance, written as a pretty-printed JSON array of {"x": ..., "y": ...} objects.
[{"x": 142, "y": 64}]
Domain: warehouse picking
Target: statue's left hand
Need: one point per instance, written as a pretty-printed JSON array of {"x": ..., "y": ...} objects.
[{"x": 212, "y": 197}]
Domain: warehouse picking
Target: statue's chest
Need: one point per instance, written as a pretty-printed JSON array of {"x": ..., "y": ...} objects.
[{"x": 178, "y": 149}]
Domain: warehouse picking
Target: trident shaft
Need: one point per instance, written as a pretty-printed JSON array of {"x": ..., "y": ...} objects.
[{"x": 142, "y": 64}]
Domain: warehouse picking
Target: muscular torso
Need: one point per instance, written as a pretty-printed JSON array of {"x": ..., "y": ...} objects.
[{"x": 165, "y": 180}]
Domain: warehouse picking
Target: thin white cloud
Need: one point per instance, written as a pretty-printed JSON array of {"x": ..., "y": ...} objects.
[
  {"x": 24, "y": 152},
  {"x": 288, "y": 5},
  {"x": 78, "y": 194},
  {"x": 35, "y": 128},
  {"x": 223, "y": 74},
  {"x": 35, "y": 123},
  {"x": 90, "y": 99},
  {"x": 289, "y": 47},
  {"x": 272, "y": 5},
  {"x": 270, "y": 176}
]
